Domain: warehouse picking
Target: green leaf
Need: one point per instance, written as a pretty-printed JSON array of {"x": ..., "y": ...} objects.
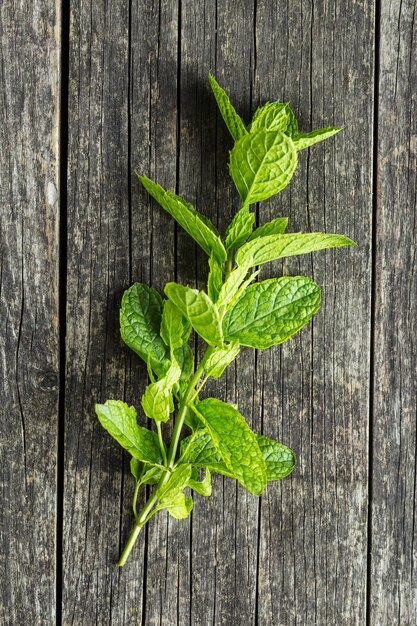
[
  {"x": 185, "y": 359},
  {"x": 276, "y": 226},
  {"x": 271, "y": 116},
  {"x": 199, "y": 310},
  {"x": 215, "y": 279},
  {"x": 271, "y": 311},
  {"x": 242, "y": 288},
  {"x": 157, "y": 401},
  {"x": 264, "y": 249},
  {"x": 280, "y": 460},
  {"x": 175, "y": 328},
  {"x": 140, "y": 321},
  {"x": 201, "y": 452},
  {"x": 194, "y": 223},
  {"x": 136, "y": 468},
  {"x": 239, "y": 228},
  {"x": 305, "y": 140},
  {"x": 233, "y": 121},
  {"x": 231, "y": 285},
  {"x": 235, "y": 442},
  {"x": 220, "y": 358},
  {"x": 262, "y": 164},
  {"x": 171, "y": 496},
  {"x": 201, "y": 486},
  {"x": 119, "y": 420},
  {"x": 151, "y": 475}
]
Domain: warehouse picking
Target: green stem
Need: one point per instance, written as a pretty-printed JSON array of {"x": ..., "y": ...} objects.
[
  {"x": 170, "y": 461},
  {"x": 161, "y": 442}
]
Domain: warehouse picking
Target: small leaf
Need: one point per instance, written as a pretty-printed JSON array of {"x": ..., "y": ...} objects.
[
  {"x": 136, "y": 468},
  {"x": 140, "y": 321},
  {"x": 235, "y": 442},
  {"x": 176, "y": 483},
  {"x": 220, "y": 358},
  {"x": 185, "y": 359},
  {"x": 199, "y": 310},
  {"x": 175, "y": 328},
  {"x": 271, "y": 311},
  {"x": 272, "y": 247},
  {"x": 305, "y": 140},
  {"x": 239, "y": 228},
  {"x": 280, "y": 460},
  {"x": 262, "y": 164},
  {"x": 231, "y": 285},
  {"x": 232, "y": 120},
  {"x": 157, "y": 401},
  {"x": 271, "y": 116},
  {"x": 276, "y": 226},
  {"x": 215, "y": 279},
  {"x": 119, "y": 420},
  {"x": 194, "y": 223},
  {"x": 151, "y": 475},
  {"x": 202, "y": 487},
  {"x": 179, "y": 507}
]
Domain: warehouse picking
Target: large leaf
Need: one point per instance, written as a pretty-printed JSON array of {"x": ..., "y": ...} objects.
[
  {"x": 157, "y": 401},
  {"x": 197, "y": 225},
  {"x": 199, "y": 310},
  {"x": 305, "y": 140},
  {"x": 232, "y": 120},
  {"x": 119, "y": 420},
  {"x": 235, "y": 442},
  {"x": 140, "y": 321},
  {"x": 271, "y": 311},
  {"x": 276, "y": 226},
  {"x": 201, "y": 452},
  {"x": 262, "y": 164},
  {"x": 271, "y": 247}
]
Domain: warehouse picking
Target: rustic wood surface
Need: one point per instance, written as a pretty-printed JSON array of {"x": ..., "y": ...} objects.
[{"x": 334, "y": 544}]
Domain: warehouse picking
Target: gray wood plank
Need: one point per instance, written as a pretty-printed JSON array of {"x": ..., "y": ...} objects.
[
  {"x": 29, "y": 302},
  {"x": 393, "y": 576},
  {"x": 94, "y": 590},
  {"x": 314, "y": 391}
]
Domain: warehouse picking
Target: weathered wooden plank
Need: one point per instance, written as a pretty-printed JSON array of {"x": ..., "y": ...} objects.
[
  {"x": 154, "y": 126},
  {"x": 393, "y": 590},
  {"x": 94, "y": 591},
  {"x": 313, "y": 392},
  {"x": 29, "y": 340}
]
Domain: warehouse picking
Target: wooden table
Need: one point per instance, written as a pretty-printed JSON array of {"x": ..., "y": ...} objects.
[{"x": 91, "y": 91}]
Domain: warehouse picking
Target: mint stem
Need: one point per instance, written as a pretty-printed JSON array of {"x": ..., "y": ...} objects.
[{"x": 172, "y": 452}]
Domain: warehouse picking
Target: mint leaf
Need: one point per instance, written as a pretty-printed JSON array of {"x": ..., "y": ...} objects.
[
  {"x": 305, "y": 140},
  {"x": 264, "y": 249},
  {"x": 179, "y": 506},
  {"x": 220, "y": 358},
  {"x": 151, "y": 475},
  {"x": 194, "y": 223},
  {"x": 239, "y": 228},
  {"x": 171, "y": 496},
  {"x": 235, "y": 442},
  {"x": 140, "y": 321},
  {"x": 271, "y": 311},
  {"x": 262, "y": 164},
  {"x": 201, "y": 452},
  {"x": 175, "y": 328},
  {"x": 119, "y": 420},
  {"x": 157, "y": 401},
  {"x": 136, "y": 468},
  {"x": 199, "y": 310},
  {"x": 231, "y": 285},
  {"x": 232, "y": 120},
  {"x": 276, "y": 226},
  {"x": 202, "y": 487},
  {"x": 185, "y": 358},
  {"x": 271, "y": 116},
  {"x": 215, "y": 279},
  {"x": 280, "y": 460}
]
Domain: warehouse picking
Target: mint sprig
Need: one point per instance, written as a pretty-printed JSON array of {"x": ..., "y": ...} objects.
[{"x": 234, "y": 311}]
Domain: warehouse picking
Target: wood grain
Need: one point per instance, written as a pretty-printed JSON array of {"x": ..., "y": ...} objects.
[
  {"x": 29, "y": 341},
  {"x": 393, "y": 581}
]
